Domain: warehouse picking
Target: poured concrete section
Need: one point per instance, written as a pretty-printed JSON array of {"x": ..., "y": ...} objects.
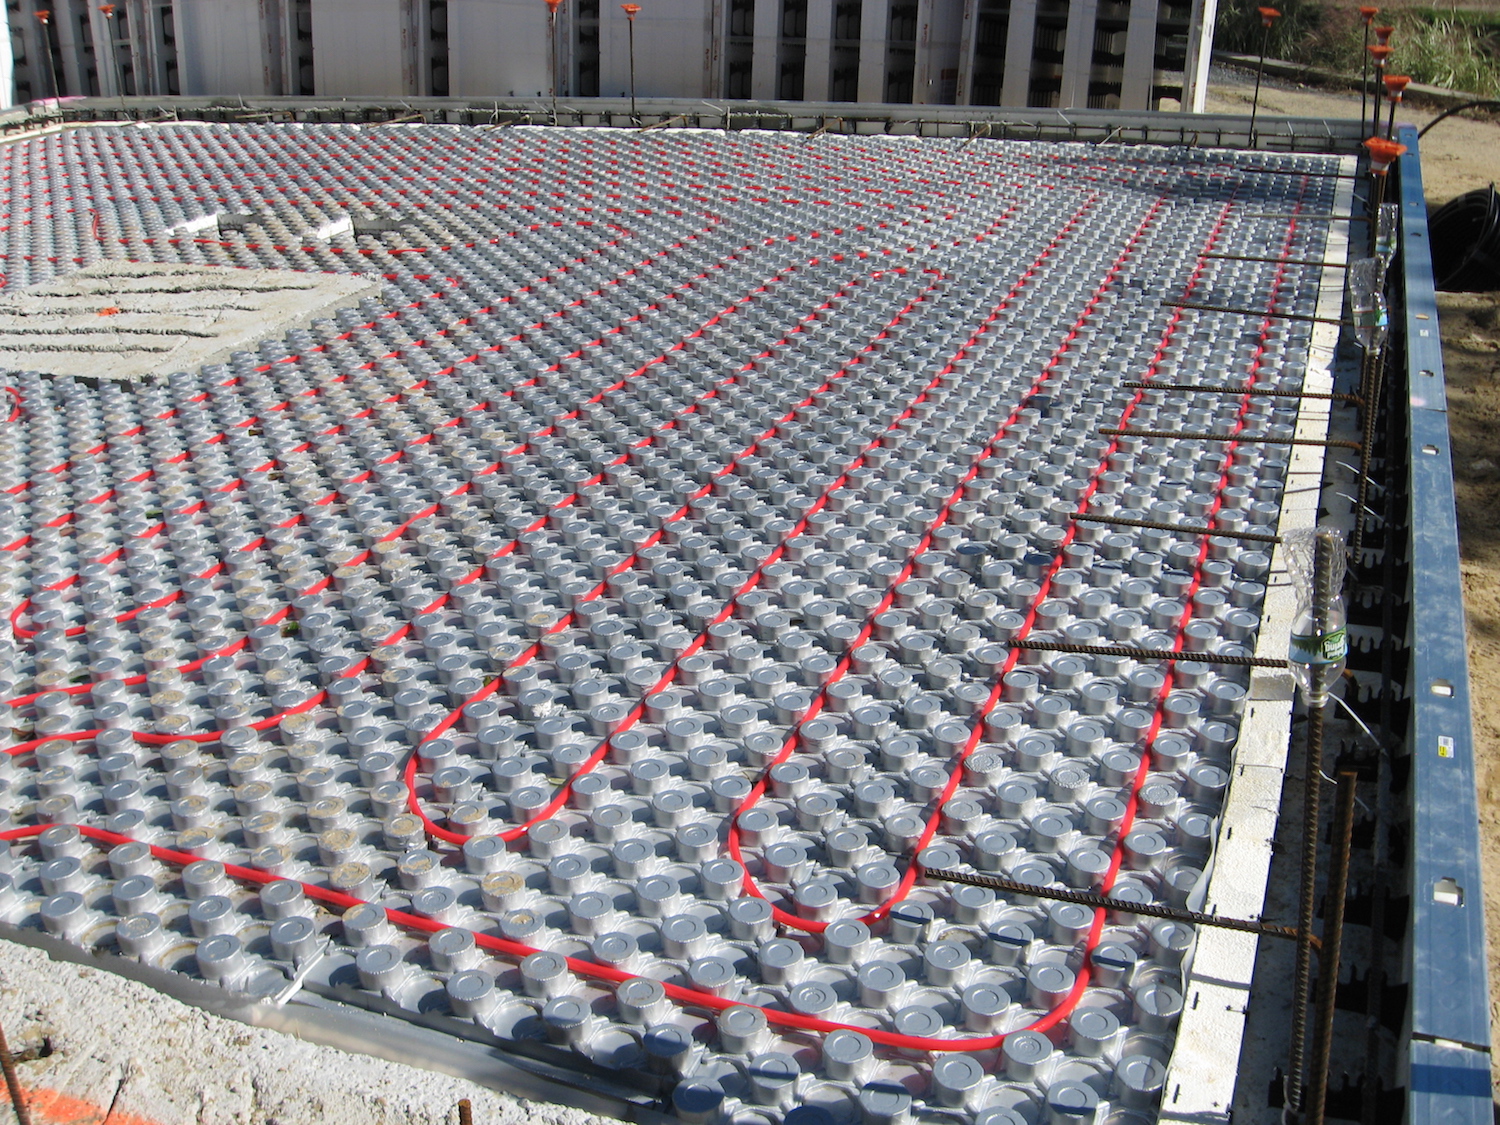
[
  {"x": 125, "y": 321},
  {"x": 89, "y": 1042}
]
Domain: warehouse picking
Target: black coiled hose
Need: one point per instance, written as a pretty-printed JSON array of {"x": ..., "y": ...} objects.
[{"x": 1465, "y": 240}]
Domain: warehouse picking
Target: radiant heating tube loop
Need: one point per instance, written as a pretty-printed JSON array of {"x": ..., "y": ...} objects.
[
  {"x": 399, "y": 633},
  {"x": 26, "y": 633},
  {"x": 1096, "y": 930},
  {"x": 793, "y": 740},
  {"x": 560, "y": 798}
]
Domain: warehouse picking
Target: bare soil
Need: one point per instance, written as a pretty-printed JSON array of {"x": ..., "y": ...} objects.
[{"x": 1458, "y": 156}]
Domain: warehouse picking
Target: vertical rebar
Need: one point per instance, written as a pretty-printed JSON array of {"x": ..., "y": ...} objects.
[
  {"x": 1333, "y": 936},
  {"x": 12, "y": 1082},
  {"x": 1364, "y": 77},
  {"x": 1265, "y": 40},
  {"x": 634, "y": 117},
  {"x": 465, "y": 1112},
  {"x": 1373, "y": 382},
  {"x": 53, "y": 81},
  {"x": 1325, "y": 546},
  {"x": 1372, "y": 375}
]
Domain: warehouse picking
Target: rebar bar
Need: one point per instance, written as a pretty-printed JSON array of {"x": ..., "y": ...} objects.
[
  {"x": 1180, "y": 529},
  {"x": 1246, "y": 439},
  {"x": 1334, "y": 899},
  {"x": 1198, "y": 306},
  {"x": 1255, "y": 391},
  {"x": 1322, "y": 606},
  {"x": 1277, "y": 261},
  {"x": 1105, "y": 902},
  {"x": 1131, "y": 653},
  {"x": 1371, "y": 379},
  {"x": 13, "y": 1082}
]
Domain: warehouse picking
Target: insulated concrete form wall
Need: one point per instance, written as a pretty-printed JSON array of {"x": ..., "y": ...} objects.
[
  {"x": 1141, "y": 54},
  {"x": 497, "y": 47},
  {"x": 366, "y": 47},
  {"x": 223, "y": 47}
]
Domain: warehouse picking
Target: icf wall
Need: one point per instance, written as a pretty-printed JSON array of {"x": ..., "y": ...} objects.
[
  {"x": 366, "y": 47},
  {"x": 1102, "y": 54},
  {"x": 498, "y": 48},
  {"x": 672, "y": 42},
  {"x": 222, "y": 48}
]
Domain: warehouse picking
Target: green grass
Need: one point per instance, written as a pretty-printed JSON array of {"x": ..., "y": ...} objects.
[{"x": 1459, "y": 50}]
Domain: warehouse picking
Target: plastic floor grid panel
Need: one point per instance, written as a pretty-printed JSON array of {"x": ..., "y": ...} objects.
[{"x": 595, "y": 638}]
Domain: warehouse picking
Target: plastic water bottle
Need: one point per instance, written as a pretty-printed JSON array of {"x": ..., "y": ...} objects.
[{"x": 1320, "y": 638}]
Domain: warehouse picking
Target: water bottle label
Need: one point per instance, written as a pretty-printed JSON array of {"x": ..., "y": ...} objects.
[{"x": 1319, "y": 648}]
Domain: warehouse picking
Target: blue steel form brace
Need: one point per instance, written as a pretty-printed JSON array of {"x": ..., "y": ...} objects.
[{"x": 1449, "y": 1043}]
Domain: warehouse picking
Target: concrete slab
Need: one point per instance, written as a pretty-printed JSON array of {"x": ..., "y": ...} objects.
[
  {"x": 93, "y": 1043},
  {"x": 125, "y": 321}
]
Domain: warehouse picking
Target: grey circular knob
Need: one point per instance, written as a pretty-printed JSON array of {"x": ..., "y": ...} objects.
[
  {"x": 813, "y": 998},
  {"x": 616, "y": 949},
  {"x": 1023, "y": 1053},
  {"x": 471, "y": 993},
  {"x": 884, "y": 1103},
  {"x": 1138, "y": 1081},
  {"x": 365, "y": 926},
  {"x": 750, "y": 919},
  {"x": 588, "y": 911},
  {"x": 544, "y": 974},
  {"x": 669, "y": 1049},
  {"x": 985, "y": 1007},
  {"x": 956, "y": 1080},
  {"x": 741, "y": 1030},
  {"x": 845, "y": 940},
  {"x": 640, "y": 999},
  {"x": 282, "y": 899},
  {"x": 65, "y": 915},
  {"x": 220, "y": 958},
  {"x": 1071, "y": 1103},
  {"x": 1170, "y": 942},
  {"x": 945, "y": 962},
  {"x": 380, "y": 967},
  {"x": 1091, "y": 1031},
  {"x": 1157, "y": 1007},
  {"x": 140, "y": 935},
  {"x": 452, "y": 950},
  {"x": 773, "y": 1078},
  {"x": 212, "y": 915},
  {"x": 134, "y": 895},
  {"x": 683, "y": 936},
  {"x": 779, "y": 960},
  {"x": 846, "y": 1055},
  {"x": 721, "y": 879},
  {"x": 697, "y": 1101},
  {"x": 566, "y": 1020},
  {"x": 294, "y": 939}
]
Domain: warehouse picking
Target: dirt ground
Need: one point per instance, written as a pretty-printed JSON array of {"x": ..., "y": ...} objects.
[{"x": 1458, "y": 156}]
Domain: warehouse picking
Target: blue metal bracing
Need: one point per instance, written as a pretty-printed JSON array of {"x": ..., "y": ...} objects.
[{"x": 1449, "y": 1012}]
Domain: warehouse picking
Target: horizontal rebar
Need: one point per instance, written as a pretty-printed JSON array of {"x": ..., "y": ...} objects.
[
  {"x": 1188, "y": 435},
  {"x": 1309, "y": 175},
  {"x": 1129, "y": 652},
  {"x": 1278, "y": 261},
  {"x": 1105, "y": 902},
  {"x": 1198, "y": 307},
  {"x": 1255, "y": 391},
  {"x": 1306, "y": 218},
  {"x": 1253, "y": 536}
]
